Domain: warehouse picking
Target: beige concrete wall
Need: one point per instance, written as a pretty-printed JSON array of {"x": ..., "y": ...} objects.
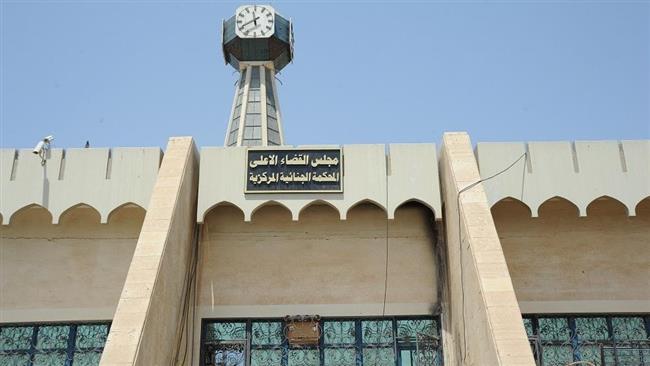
[
  {"x": 72, "y": 271},
  {"x": 144, "y": 330},
  {"x": 482, "y": 323},
  {"x": 562, "y": 263},
  {"x": 274, "y": 266}
]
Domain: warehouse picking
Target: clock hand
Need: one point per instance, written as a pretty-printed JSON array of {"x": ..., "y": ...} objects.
[{"x": 250, "y": 21}]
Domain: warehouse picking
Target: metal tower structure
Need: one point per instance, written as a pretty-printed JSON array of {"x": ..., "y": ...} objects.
[{"x": 257, "y": 42}]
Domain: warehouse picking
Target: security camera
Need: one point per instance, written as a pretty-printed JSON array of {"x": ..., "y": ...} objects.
[
  {"x": 39, "y": 147},
  {"x": 43, "y": 144}
]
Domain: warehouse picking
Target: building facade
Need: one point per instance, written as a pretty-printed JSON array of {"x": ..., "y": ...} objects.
[{"x": 260, "y": 253}]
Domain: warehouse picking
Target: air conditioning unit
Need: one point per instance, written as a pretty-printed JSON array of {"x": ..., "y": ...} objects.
[{"x": 302, "y": 330}]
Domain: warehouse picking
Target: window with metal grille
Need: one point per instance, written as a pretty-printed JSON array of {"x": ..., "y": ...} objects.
[
  {"x": 253, "y": 120},
  {"x": 394, "y": 341},
  {"x": 52, "y": 344},
  {"x": 602, "y": 340},
  {"x": 271, "y": 112},
  {"x": 234, "y": 126}
]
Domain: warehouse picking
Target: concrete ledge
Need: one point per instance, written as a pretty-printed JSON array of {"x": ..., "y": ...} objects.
[
  {"x": 585, "y": 306},
  {"x": 56, "y": 315},
  {"x": 325, "y": 310}
]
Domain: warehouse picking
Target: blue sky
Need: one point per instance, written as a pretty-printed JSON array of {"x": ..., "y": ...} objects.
[{"x": 133, "y": 73}]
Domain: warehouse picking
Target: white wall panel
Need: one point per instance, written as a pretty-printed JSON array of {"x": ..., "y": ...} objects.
[
  {"x": 579, "y": 172},
  {"x": 413, "y": 176},
  {"x": 77, "y": 176}
]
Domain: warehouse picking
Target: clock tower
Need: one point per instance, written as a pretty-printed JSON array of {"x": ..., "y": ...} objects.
[{"x": 257, "y": 42}]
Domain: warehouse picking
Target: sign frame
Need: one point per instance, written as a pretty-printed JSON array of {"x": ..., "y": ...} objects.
[{"x": 297, "y": 149}]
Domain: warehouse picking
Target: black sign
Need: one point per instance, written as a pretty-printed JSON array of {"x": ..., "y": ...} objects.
[{"x": 294, "y": 170}]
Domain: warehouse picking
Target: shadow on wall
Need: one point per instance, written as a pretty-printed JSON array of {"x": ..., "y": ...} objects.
[
  {"x": 554, "y": 206},
  {"x": 320, "y": 204},
  {"x": 79, "y": 213},
  {"x": 320, "y": 259},
  {"x": 77, "y": 267},
  {"x": 563, "y": 258},
  {"x": 643, "y": 208}
]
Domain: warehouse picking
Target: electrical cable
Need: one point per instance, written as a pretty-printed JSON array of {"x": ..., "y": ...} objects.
[
  {"x": 460, "y": 240},
  {"x": 183, "y": 310},
  {"x": 383, "y": 310},
  {"x": 192, "y": 293},
  {"x": 194, "y": 296},
  {"x": 181, "y": 315},
  {"x": 189, "y": 293}
]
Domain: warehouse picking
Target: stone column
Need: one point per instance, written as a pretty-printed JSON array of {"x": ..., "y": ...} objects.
[
  {"x": 144, "y": 329},
  {"x": 482, "y": 323}
]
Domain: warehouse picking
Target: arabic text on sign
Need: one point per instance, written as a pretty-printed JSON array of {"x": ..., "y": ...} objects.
[{"x": 294, "y": 170}]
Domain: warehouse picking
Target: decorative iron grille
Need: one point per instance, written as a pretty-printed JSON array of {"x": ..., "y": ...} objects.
[
  {"x": 602, "y": 340},
  {"x": 412, "y": 341},
  {"x": 52, "y": 344},
  {"x": 625, "y": 355}
]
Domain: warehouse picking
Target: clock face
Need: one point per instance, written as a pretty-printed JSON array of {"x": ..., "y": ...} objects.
[{"x": 255, "y": 21}]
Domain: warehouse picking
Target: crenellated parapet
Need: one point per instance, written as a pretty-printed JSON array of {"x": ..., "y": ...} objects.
[
  {"x": 385, "y": 177},
  {"x": 106, "y": 179},
  {"x": 579, "y": 172},
  {"x": 102, "y": 178}
]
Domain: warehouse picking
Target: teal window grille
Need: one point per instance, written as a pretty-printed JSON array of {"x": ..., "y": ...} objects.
[
  {"x": 234, "y": 126},
  {"x": 389, "y": 341},
  {"x": 271, "y": 111},
  {"x": 52, "y": 344},
  {"x": 602, "y": 340},
  {"x": 253, "y": 120}
]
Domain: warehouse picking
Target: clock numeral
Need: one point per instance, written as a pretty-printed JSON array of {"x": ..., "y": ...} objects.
[
  {"x": 248, "y": 10},
  {"x": 268, "y": 27},
  {"x": 263, "y": 33}
]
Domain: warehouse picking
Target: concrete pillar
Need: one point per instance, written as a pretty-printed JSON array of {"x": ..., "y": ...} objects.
[
  {"x": 482, "y": 323},
  {"x": 144, "y": 329}
]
